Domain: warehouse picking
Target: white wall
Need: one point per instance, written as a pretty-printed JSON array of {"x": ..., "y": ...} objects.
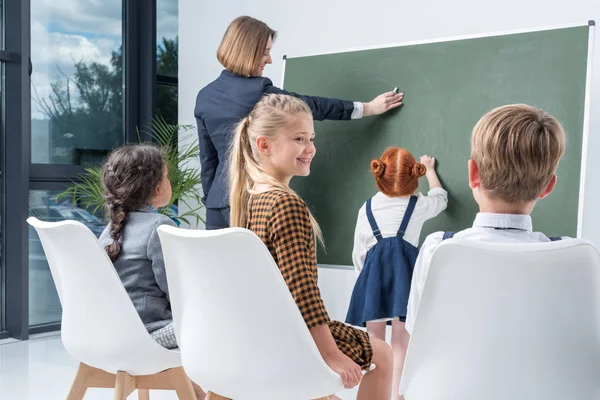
[{"x": 325, "y": 25}]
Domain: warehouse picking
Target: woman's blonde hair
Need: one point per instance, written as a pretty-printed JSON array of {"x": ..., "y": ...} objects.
[
  {"x": 243, "y": 46},
  {"x": 270, "y": 114}
]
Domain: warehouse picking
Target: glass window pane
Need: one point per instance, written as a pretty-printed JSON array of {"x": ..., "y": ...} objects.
[
  {"x": 44, "y": 305},
  {"x": 167, "y": 103},
  {"x": 167, "y": 40},
  {"x": 77, "y": 81}
]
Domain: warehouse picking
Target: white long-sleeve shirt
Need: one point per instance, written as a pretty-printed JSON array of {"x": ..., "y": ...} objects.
[{"x": 388, "y": 213}]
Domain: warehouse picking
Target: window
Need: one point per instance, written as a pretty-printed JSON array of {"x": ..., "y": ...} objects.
[
  {"x": 167, "y": 51},
  {"x": 77, "y": 81},
  {"x": 167, "y": 40},
  {"x": 76, "y": 119},
  {"x": 44, "y": 305},
  {"x": 87, "y": 92},
  {"x": 167, "y": 103}
]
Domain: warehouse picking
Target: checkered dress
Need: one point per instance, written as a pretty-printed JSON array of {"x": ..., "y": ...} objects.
[{"x": 282, "y": 222}]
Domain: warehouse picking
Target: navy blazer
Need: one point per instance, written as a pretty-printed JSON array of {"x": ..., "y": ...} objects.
[{"x": 225, "y": 102}]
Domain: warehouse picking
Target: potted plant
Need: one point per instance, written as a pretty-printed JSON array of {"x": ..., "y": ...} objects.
[{"x": 185, "y": 180}]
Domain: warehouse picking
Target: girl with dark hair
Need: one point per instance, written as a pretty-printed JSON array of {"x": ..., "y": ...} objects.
[{"x": 136, "y": 184}]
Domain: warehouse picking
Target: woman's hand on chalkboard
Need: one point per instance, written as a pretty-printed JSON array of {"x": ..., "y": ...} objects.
[
  {"x": 383, "y": 103},
  {"x": 428, "y": 162}
]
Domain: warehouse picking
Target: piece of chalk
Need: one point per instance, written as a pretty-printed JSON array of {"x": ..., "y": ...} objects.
[{"x": 396, "y": 90}]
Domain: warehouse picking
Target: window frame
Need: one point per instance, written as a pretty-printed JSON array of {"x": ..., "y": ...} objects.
[{"x": 20, "y": 175}]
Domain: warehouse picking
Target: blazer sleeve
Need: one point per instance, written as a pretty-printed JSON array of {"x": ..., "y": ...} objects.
[
  {"x": 209, "y": 160},
  {"x": 322, "y": 107},
  {"x": 155, "y": 254}
]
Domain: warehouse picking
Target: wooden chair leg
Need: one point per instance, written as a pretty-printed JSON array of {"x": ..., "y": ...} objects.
[
  {"x": 143, "y": 394},
  {"x": 124, "y": 385},
  {"x": 79, "y": 386},
  {"x": 213, "y": 396},
  {"x": 182, "y": 384}
]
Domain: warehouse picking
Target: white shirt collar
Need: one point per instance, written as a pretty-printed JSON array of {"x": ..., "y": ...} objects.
[{"x": 503, "y": 221}]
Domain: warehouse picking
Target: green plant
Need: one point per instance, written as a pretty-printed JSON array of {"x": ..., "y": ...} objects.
[{"x": 185, "y": 180}]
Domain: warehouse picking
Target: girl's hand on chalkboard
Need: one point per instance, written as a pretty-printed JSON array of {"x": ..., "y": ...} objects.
[
  {"x": 428, "y": 162},
  {"x": 383, "y": 103},
  {"x": 432, "y": 178}
]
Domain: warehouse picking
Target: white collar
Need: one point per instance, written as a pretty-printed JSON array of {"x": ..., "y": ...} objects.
[{"x": 503, "y": 221}]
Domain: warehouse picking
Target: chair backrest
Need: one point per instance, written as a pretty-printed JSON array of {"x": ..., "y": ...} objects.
[
  {"x": 100, "y": 326},
  {"x": 498, "y": 321},
  {"x": 240, "y": 332}
]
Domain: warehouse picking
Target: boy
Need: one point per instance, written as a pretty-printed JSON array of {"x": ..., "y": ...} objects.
[{"x": 515, "y": 150}]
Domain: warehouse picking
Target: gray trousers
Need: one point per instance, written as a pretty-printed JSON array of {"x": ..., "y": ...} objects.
[{"x": 165, "y": 336}]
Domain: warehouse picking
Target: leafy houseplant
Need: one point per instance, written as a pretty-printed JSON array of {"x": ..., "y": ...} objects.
[{"x": 185, "y": 180}]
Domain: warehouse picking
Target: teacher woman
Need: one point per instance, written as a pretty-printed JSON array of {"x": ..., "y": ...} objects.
[{"x": 244, "y": 52}]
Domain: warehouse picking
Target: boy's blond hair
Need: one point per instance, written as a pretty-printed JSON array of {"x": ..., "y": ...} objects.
[{"x": 517, "y": 149}]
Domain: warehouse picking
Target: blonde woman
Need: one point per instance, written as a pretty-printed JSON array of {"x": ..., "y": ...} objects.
[{"x": 244, "y": 52}]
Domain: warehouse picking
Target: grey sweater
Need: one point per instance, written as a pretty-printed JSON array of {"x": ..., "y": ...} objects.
[{"x": 141, "y": 266}]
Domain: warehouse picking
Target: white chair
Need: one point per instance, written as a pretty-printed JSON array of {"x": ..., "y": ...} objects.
[
  {"x": 100, "y": 326},
  {"x": 240, "y": 332},
  {"x": 507, "y": 321}
]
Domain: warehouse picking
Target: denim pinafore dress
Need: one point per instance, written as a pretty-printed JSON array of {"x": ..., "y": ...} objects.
[{"x": 382, "y": 288}]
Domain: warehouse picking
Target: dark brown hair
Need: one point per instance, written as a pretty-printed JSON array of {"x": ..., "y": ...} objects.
[
  {"x": 243, "y": 46},
  {"x": 397, "y": 172},
  {"x": 129, "y": 177}
]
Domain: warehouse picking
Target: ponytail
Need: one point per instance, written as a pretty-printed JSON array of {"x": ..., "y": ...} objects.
[{"x": 240, "y": 182}]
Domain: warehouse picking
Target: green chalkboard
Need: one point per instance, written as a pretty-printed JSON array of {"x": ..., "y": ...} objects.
[{"x": 448, "y": 86}]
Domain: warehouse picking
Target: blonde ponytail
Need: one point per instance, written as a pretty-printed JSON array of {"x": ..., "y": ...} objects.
[
  {"x": 270, "y": 114},
  {"x": 239, "y": 180}
]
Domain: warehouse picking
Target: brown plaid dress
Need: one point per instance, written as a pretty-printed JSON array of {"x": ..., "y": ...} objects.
[{"x": 282, "y": 222}]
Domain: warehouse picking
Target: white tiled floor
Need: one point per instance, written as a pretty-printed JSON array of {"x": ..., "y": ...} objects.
[{"x": 41, "y": 369}]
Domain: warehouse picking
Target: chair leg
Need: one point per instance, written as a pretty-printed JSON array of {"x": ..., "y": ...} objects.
[
  {"x": 79, "y": 386},
  {"x": 213, "y": 396},
  {"x": 143, "y": 394},
  {"x": 182, "y": 384},
  {"x": 124, "y": 385}
]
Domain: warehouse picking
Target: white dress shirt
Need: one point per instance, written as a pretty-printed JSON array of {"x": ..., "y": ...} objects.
[{"x": 358, "y": 111}]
